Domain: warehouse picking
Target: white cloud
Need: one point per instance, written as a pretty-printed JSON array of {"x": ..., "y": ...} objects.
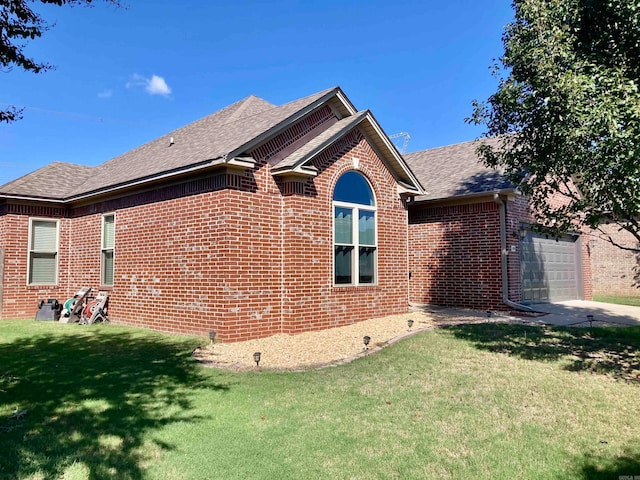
[
  {"x": 106, "y": 93},
  {"x": 157, "y": 86},
  {"x": 153, "y": 86}
]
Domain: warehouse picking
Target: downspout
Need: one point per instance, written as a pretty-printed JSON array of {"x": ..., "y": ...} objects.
[{"x": 503, "y": 257}]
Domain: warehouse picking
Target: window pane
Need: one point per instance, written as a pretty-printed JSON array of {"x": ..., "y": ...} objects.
[
  {"x": 343, "y": 264},
  {"x": 43, "y": 236},
  {"x": 108, "y": 232},
  {"x": 367, "y": 228},
  {"x": 366, "y": 265},
  {"x": 352, "y": 187},
  {"x": 343, "y": 225},
  {"x": 107, "y": 267},
  {"x": 43, "y": 268}
]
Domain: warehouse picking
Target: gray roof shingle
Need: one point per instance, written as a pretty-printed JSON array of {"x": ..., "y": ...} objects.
[
  {"x": 54, "y": 181},
  {"x": 211, "y": 137},
  {"x": 455, "y": 170}
]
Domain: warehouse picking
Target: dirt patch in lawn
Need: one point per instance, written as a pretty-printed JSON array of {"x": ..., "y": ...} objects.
[{"x": 328, "y": 347}]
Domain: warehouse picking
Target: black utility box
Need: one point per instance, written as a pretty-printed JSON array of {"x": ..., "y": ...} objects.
[{"x": 49, "y": 310}]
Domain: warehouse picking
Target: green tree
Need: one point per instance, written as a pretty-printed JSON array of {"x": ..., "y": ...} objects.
[
  {"x": 567, "y": 112},
  {"x": 20, "y": 23}
]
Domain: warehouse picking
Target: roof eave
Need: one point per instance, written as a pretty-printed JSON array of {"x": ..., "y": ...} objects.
[
  {"x": 32, "y": 198},
  {"x": 509, "y": 192}
]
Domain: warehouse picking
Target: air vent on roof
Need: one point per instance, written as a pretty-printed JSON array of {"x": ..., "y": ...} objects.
[{"x": 171, "y": 142}]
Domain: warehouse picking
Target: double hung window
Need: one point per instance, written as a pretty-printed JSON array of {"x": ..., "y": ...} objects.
[{"x": 43, "y": 252}]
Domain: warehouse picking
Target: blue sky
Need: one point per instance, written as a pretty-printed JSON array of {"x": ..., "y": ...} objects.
[{"x": 126, "y": 76}]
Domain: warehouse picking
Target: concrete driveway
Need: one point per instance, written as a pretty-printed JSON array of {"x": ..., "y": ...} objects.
[{"x": 576, "y": 311}]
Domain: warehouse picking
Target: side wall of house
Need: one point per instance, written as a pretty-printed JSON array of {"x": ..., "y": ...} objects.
[
  {"x": 454, "y": 258},
  {"x": 615, "y": 271}
]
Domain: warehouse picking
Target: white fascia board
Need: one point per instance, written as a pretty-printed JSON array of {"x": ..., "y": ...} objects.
[
  {"x": 241, "y": 162},
  {"x": 346, "y": 102},
  {"x": 298, "y": 171},
  {"x": 8, "y": 196}
]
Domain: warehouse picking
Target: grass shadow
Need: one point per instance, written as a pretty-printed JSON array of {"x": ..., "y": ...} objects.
[
  {"x": 610, "y": 351},
  {"x": 89, "y": 398},
  {"x": 626, "y": 467}
]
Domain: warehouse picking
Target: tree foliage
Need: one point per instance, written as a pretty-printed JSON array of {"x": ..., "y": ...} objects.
[
  {"x": 567, "y": 111},
  {"x": 19, "y": 24}
]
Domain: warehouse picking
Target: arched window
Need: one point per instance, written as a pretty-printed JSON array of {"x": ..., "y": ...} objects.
[{"x": 354, "y": 231}]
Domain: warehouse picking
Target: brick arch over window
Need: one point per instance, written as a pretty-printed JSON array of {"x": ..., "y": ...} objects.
[{"x": 354, "y": 230}]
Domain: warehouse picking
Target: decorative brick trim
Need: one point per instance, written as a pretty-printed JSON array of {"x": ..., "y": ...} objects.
[
  {"x": 209, "y": 184},
  {"x": 35, "y": 210},
  {"x": 292, "y": 134},
  {"x": 434, "y": 213}
]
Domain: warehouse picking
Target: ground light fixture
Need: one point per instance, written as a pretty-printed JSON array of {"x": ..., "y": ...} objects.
[
  {"x": 489, "y": 314},
  {"x": 212, "y": 337},
  {"x": 366, "y": 339},
  {"x": 256, "y": 358},
  {"x": 410, "y": 323},
  {"x": 590, "y": 320}
]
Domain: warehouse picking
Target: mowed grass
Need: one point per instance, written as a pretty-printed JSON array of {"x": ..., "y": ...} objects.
[
  {"x": 633, "y": 300},
  {"x": 483, "y": 401}
]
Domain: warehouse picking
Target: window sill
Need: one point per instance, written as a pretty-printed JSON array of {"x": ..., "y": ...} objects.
[{"x": 368, "y": 286}]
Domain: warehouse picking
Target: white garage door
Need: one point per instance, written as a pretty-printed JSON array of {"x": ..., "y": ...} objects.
[{"x": 551, "y": 269}]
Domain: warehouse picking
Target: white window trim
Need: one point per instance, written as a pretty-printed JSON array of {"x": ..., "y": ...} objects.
[
  {"x": 103, "y": 249},
  {"x": 355, "y": 236},
  {"x": 30, "y": 251}
]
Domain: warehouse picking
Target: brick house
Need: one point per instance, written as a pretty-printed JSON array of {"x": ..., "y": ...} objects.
[
  {"x": 263, "y": 219},
  {"x": 471, "y": 239},
  {"x": 255, "y": 220}
]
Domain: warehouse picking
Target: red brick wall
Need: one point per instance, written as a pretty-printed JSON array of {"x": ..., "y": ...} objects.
[
  {"x": 245, "y": 261},
  {"x": 310, "y": 299},
  {"x": 455, "y": 255},
  {"x": 615, "y": 271},
  {"x": 454, "y": 258}
]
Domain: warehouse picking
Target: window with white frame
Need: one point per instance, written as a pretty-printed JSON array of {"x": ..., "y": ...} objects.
[
  {"x": 43, "y": 252},
  {"x": 354, "y": 231},
  {"x": 108, "y": 242}
]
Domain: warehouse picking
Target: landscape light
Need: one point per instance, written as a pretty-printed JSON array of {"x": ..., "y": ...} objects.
[
  {"x": 590, "y": 320},
  {"x": 256, "y": 358},
  {"x": 366, "y": 341},
  {"x": 212, "y": 337},
  {"x": 410, "y": 323}
]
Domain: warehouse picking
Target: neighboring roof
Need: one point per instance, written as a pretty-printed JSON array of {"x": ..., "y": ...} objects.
[{"x": 455, "y": 170}]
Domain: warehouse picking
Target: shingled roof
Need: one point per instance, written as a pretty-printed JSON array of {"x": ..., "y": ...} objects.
[
  {"x": 223, "y": 138},
  {"x": 55, "y": 181},
  {"x": 455, "y": 170},
  {"x": 216, "y": 136}
]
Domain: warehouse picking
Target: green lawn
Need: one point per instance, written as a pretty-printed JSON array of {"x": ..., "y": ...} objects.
[
  {"x": 619, "y": 299},
  {"x": 479, "y": 402}
]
